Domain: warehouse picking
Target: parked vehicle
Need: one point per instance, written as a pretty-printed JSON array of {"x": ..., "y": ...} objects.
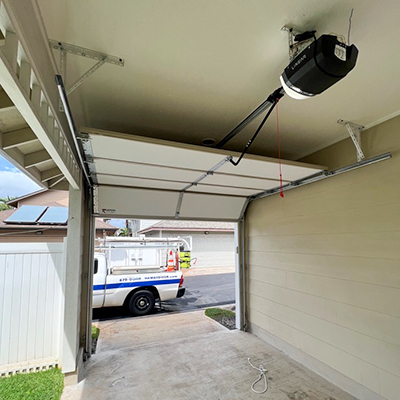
[{"x": 137, "y": 272}]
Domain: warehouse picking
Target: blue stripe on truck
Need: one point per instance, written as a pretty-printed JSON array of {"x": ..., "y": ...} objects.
[{"x": 135, "y": 284}]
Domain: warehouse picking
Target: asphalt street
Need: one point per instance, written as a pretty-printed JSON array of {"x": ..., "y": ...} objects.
[
  {"x": 204, "y": 291},
  {"x": 201, "y": 291}
]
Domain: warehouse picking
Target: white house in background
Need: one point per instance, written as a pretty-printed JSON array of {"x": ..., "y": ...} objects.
[
  {"x": 138, "y": 225},
  {"x": 212, "y": 242}
]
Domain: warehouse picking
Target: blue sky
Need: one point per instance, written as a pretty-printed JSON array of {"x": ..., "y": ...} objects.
[{"x": 13, "y": 182}]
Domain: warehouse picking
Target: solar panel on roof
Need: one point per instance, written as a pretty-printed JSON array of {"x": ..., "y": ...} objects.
[
  {"x": 26, "y": 215},
  {"x": 54, "y": 215}
]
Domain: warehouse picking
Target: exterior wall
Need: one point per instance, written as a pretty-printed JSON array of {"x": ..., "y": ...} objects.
[
  {"x": 323, "y": 271},
  {"x": 46, "y": 197},
  {"x": 56, "y": 236},
  {"x": 50, "y": 236}
]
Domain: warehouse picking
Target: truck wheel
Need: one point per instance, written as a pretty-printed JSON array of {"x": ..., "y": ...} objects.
[{"x": 141, "y": 303}]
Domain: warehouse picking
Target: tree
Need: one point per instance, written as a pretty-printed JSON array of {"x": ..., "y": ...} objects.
[
  {"x": 123, "y": 232},
  {"x": 3, "y": 201}
]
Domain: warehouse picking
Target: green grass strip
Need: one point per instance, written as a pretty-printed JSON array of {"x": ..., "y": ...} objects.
[
  {"x": 216, "y": 313},
  {"x": 95, "y": 332},
  {"x": 42, "y": 385}
]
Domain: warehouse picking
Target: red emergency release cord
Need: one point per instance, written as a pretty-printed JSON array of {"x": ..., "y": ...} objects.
[{"x": 279, "y": 150}]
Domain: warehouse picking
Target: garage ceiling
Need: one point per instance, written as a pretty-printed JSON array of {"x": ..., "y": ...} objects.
[
  {"x": 194, "y": 69},
  {"x": 140, "y": 177}
]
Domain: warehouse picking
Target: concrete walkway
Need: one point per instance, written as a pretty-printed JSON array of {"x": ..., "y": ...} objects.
[{"x": 189, "y": 356}]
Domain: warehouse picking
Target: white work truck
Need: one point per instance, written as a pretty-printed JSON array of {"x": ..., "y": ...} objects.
[{"x": 137, "y": 272}]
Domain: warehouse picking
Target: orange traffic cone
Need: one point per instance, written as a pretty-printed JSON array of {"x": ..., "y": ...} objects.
[{"x": 171, "y": 266}]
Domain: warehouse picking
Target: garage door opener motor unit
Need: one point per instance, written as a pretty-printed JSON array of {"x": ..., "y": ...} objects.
[
  {"x": 319, "y": 66},
  {"x": 316, "y": 65}
]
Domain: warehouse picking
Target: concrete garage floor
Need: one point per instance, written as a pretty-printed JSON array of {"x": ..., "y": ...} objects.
[{"x": 189, "y": 356}]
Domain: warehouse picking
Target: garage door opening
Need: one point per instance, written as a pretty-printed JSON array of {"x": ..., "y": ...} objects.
[
  {"x": 204, "y": 252},
  {"x": 144, "y": 178}
]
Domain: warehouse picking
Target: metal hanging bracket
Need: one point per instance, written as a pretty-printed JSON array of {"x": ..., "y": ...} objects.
[
  {"x": 296, "y": 46},
  {"x": 355, "y": 134},
  {"x": 101, "y": 58}
]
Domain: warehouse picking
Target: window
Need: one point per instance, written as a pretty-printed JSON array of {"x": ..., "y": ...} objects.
[{"x": 96, "y": 266}]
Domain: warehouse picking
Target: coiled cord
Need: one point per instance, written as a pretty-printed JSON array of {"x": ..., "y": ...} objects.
[{"x": 262, "y": 372}]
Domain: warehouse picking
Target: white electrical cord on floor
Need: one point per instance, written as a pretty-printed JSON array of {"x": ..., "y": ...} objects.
[{"x": 262, "y": 372}]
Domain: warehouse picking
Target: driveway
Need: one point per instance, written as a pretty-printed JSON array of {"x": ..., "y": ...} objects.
[{"x": 189, "y": 356}]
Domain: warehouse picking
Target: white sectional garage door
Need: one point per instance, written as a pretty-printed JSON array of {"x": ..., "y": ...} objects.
[
  {"x": 214, "y": 250},
  {"x": 148, "y": 178}
]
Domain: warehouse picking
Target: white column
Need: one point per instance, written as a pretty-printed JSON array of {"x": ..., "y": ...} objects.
[
  {"x": 238, "y": 281},
  {"x": 73, "y": 282}
]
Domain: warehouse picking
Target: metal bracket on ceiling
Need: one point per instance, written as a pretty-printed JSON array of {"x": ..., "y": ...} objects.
[
  {"x": 101, "y": 58},
  {"x": 355, "y": 134},
  {"x": 295, "y": 47},
  {"x": 208, "y": 173}
]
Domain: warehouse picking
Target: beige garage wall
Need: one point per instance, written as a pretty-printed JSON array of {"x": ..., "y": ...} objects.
[{"x": 323, "y": 270}]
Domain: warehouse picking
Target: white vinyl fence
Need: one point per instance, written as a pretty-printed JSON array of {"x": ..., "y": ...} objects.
[{"x": 32, "y": 279}]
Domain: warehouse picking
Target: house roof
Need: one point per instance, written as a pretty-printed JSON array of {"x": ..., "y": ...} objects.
[
  {"x": 100, "y": 225},
  {"x": 192, "y": 226}
]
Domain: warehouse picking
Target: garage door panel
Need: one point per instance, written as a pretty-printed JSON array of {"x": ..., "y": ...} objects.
[
  {"x": 148, "y": 176},
  {"x": 213, "y": 206},
  {"x": 153, "y": 153},
  {"x": 145, "y": 171},
  {"x": 256, "y": 184},
  {"x": 270, "y": 169},
  {"x": 136, "y": 203},
  {"x": 135, "y": 182},
  {"x": 221, "y": 190}
]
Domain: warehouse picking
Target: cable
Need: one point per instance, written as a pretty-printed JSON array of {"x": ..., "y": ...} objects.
[
  {"x": 348, "y": 34},
  {"x": 249, "y": 143},
  {"x": 262, "y": 372}
]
